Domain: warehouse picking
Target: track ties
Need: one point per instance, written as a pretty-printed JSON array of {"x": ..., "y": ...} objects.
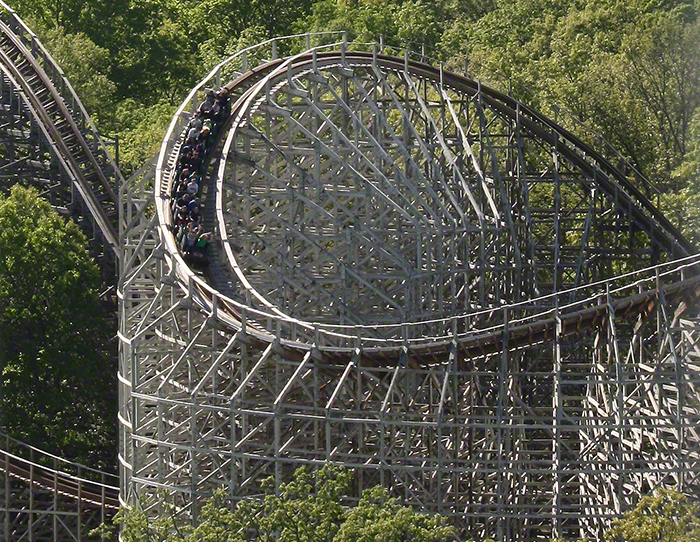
[{"x": 53, "y": 113}]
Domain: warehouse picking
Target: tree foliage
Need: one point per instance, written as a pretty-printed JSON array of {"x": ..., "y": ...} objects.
[
  {"x": 307, "y": 509},
  {"x": 56, "y": 380},
  {"x": 629, "y": 69},
  {"x": 665, "y": 516},
  {"x": 408, "y": 22},
  {"x": 140, "y": 129},
  {"x": 87, "y": 67}
]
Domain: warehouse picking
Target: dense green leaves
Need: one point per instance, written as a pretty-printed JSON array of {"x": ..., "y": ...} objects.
[
  {"x": 408, "y": 22},
  {"x": 379, "y": 518},
  {"x": 310, "y": 509},
  {"x": 88, "y": 67},
  {"x": 666, "y": 516},
  {"x": 56, "y": 380},
  {"x": 307, "y": 509},
  {"x": 628, "y": 69}
]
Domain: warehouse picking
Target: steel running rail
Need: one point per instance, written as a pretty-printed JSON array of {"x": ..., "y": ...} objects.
[{"x": 73, "y": 137}]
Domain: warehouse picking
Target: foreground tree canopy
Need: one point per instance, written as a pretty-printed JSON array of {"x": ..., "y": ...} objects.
[
  {"x": 307, "y": 509},
  {"x": 666, "y": 516},
  {"x": 310, "y": 508},
  {"x": 56, "y": 382}
]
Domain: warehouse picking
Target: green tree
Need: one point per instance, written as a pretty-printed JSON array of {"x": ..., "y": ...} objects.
[
  {"x": 140, "y": 129},
  {"x": 684, "y": 203},
  {"x": 50, "y": 13},
  {"x": 147, "y": 40},
  {"x": 153, "y": 58},
  {"x": 629, "y": 69},
  {"x": 56, "y": 373},
  {"x": 310, "y": 508},
  {"x": 381, "y": 518},
  {"x": 666, "y": 516},
  {"x": 663, "y": 75},
  {"x": 87, "y": 67},
  {"x": 399, "y": 21}
]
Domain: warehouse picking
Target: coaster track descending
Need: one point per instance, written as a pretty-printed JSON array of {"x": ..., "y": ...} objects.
[
  {"x": 47, "y": 139},
  {"x": 36, "y": 93}
]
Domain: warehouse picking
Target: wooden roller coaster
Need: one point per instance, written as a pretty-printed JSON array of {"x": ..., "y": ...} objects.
[{"x": 413, "y": 275}]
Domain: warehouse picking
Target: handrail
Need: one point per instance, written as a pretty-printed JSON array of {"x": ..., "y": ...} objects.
[
  {"x": 4, "y": 438},
  {"x": 64, "y": 475},
  {"x": 180, "y": 119}
]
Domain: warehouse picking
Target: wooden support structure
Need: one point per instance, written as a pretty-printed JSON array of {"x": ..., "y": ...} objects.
[
  {"x": 420, "y": 279},
  {"x": 413, "y": 275}
]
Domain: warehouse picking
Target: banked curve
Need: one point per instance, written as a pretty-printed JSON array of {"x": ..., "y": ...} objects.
[{"x": 338, "y": 340}]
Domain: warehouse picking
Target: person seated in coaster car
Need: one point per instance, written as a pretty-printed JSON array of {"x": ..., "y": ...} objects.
[
  {"x": 195, "y": 215},
  {"x": 196, "y": 121},
  {"x": 194, "y": 202},
  {"x": 206, "y": 106},
  {"x": 193, "y": 232},
  {"x": 198, "y": 253},
  {"x": 223, "y": 99},
  {"x": 206, "y": 130},
  {"x": 186, "y": 206},
  {"x": 182, "y": 204},
  {"x": 192, "y": 187}
]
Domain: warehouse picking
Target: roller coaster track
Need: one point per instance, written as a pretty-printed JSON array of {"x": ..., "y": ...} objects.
[
  {"x": 248, "y": 86},
  {"x": 500, "y": 359},
  {"x": 33, "y": 470},
  {"x": 43, "y": 495},
  {"x": 77, "y": 145},
  {"x": 332, "y": 190},
  {"x": 90, "y": 494}
]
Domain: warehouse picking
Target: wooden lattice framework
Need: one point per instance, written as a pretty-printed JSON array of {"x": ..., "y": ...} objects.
[{"x": 416, "y": 277}]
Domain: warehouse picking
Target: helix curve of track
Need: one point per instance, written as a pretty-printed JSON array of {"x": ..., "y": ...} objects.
[{"x": 249, "y": 88}]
